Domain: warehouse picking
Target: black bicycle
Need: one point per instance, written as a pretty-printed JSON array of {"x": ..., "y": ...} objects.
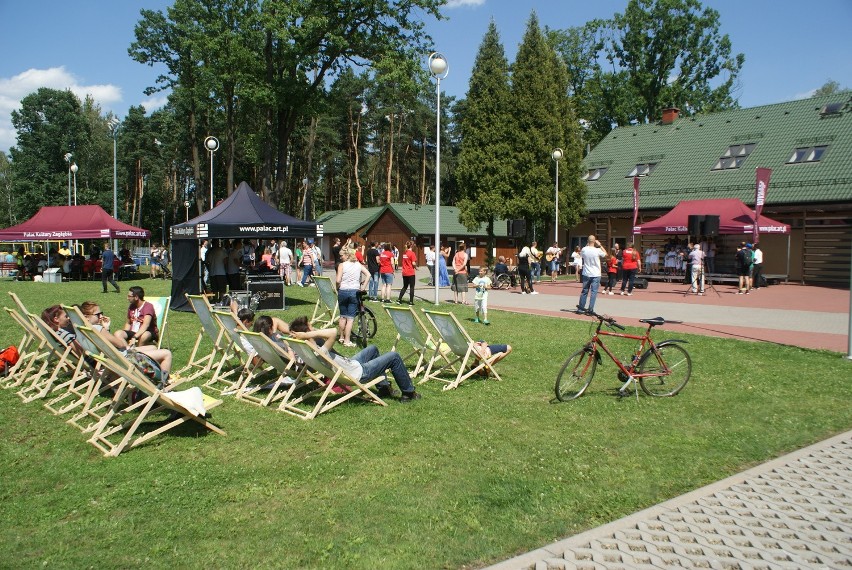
[{"x": 365, "y": 326}]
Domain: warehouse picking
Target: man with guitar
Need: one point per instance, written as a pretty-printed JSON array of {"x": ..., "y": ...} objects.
[{"x": 552, "y": 257}]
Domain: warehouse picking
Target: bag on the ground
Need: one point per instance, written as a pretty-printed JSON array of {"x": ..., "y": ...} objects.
[{"x": 8, "y": 358}]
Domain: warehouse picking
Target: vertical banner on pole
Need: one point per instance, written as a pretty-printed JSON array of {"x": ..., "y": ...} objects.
[
  {"x": 635, "y": 203},
  {"x": 761, "y": 186}
]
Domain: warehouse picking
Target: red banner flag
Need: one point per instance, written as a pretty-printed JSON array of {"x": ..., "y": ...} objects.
[
  {"x": 760, "y": 188},
  {"x": 635, "y": 200}
]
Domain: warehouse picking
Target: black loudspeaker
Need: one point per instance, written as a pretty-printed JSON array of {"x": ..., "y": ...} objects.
[
  {"x": 711, "y": 226},
  {"x": 694, "y": 225},
  {"x": 517, "y": 228},
  {"x": 270, "y": 294},
  {"x": 640, "y": 283}
]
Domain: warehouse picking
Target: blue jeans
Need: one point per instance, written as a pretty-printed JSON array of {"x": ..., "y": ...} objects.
[
  {"x": 536, "y": 271},
  {"x": 375, "y": 365},
  {"x": 589, "y": 284},
  {"x": 373, "y": 288},
  {"x": 627, "y": 279},
  {"x": 307, "y": 271}
]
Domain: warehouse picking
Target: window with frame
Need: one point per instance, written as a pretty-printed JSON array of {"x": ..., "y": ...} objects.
[
  {"x": 807, "y": 154},
  {"x": 734, "y": 157},
  {"x": 594, "y": 174},
  {"x": 642, "y": 169}
]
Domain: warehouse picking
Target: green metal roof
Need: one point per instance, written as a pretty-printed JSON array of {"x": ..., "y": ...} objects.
[
  {"x": 686, "y": 151},
  {"x": 420, "y": 220}
]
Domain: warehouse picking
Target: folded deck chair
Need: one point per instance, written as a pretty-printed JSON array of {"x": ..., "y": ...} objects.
[
  {"x": 326, "y": 309},
  {"x": 60, "y": 359},
  {"x": 200, "y": 363},
  {"x": 33, "y": 351},
  {"x": 411, "y": 330},
  {"x": 282, "y": 364},
  {"x": 321, "y": 375},
  {"x": 231, "y": 325},
  {"x": 161, "y": 310},
  {"x": 184, "y": 405},
  {"x": 463, "y": 349}
]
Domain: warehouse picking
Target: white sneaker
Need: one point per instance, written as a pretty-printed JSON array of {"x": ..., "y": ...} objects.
[
  {"x": 621, "y": 293},
  {"x": 610, "y": 293},
  {"x": 630, "y": 294},
  {"x": 523, "y": 292},
  {"x": 534, "y": 293}
]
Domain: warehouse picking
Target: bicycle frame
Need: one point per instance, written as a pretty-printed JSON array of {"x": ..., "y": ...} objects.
[{"x": 646, "y": 344}]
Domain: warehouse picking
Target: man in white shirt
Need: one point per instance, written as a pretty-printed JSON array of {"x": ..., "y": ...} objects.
[
  {"x": 592, "y": 255},
  {"x": 202, "y": 255},
  {"x": 285, "y": 261},
  {"x": 756, "y": 266},
  {"x": 696, "y": 260},
  {"x": 430, "y": 263}
]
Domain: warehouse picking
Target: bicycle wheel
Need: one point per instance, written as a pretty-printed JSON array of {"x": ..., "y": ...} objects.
[
  {"x": 671, "y": 356},
  {"x": 576, "y": 374},
  {"x": 364, "y": 327},
  {"x": 502, "y": 282}
]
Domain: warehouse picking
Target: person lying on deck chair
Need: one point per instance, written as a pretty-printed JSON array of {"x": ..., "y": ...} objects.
[{"x": 363, "y": 366}]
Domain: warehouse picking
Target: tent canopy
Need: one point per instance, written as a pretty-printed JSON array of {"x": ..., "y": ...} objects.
[
  {"x": 244, "y": 215},
  {"x": 72, "y": 222},
  {"x": 734, "y": 218}
]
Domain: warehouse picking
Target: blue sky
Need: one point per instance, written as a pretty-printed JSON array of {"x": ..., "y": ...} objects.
[{"x": 791, "y": 47}]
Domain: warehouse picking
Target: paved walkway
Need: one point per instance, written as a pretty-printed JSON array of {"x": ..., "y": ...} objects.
[{"x": 792, "y": 512}]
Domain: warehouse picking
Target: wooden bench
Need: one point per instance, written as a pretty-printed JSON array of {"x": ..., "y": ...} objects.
[{"x": 9, "y": 269}]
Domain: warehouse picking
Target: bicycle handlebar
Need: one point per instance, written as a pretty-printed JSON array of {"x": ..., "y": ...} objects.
[{"x": 604, "y": 319}]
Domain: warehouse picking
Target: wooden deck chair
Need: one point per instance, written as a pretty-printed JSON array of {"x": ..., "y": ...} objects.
[
  {"x": 278, "y": 359},
  {"x": 200, "y": 363},
  {"x": 35, "y": 351},
  {"x": 410, "y": 328},
  {"x": 184, "y": 405},
  {"x": 60, "y": 359},
  {"x": 326, "y": 310},
  {"x": 230, "y": 325},
  {"x": 463, "y": 348},
  {"x": 28, "y": 342},
  {"x": 161, "y": 310},
  {"x": 323, "y": 375},
  {"x": 88, "y": 372}
]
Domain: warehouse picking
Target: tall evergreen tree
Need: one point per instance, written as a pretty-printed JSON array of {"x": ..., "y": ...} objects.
[
  {"x": 543, "y": 120},
  {"x": 484, "y": 169}
]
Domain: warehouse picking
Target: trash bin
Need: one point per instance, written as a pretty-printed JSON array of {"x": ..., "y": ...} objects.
[{"x": 52, "y": 275}]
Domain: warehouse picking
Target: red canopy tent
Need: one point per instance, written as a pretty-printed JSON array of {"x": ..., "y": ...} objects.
[
  {"x": 734, "y": 218},
  {"x": 72, "y": 222}
]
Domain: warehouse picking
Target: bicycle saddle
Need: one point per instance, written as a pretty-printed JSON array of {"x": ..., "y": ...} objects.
[{"x": 656, "y": 321}]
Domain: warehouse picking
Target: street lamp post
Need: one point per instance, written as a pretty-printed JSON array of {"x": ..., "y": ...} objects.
[
  {"x": 67, "y": 158},
  {"x": 163, "y": 214},
  {"x": 74, "y": 169},
  {"x": 556, "y": 155},
  {"x": 186, "y": 205},
  {"x": 439, "y": 68},
  {"x": 113, "y": 125},
  {"x": 211, "y": 143}
]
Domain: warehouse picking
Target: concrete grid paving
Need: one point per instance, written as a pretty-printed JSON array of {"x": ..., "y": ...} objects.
[{"x": 792, "y": 512}]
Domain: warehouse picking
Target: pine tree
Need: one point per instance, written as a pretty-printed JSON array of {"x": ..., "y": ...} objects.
[
  {"x": 543, "y": 119},
  {"x": 484, "y": 169}
]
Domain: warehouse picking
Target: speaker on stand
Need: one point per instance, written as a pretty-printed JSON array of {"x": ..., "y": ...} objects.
[
  {"x": 711, "y": 226},
  {"x": 695, "y": 225}
]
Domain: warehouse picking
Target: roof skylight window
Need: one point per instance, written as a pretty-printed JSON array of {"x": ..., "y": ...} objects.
[{"x": 734, "y": 157}]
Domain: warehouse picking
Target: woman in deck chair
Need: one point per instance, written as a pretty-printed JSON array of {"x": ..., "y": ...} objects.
[
  {"x": 58, "y": 320},
  {"x": 363, "y": 366}
]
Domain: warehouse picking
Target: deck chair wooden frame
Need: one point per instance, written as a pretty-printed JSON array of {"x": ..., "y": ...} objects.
[
  {"x": 277, "y": 358},
  {"x": 201, "y": 363},
  {"x": 152, "y": 401},
  {"x": 463, "y": 349},
  {"x": 231, "y": 325},
  {"x": 60, "y": 359},
  {"x": 320, "y": 375},
  {"x": 411, "y": 330},
  {"x": 326, "y": 310},
  {"x": 161, "y": 310},
  {"x": 28, "y": 342},
  {"x": 36, "y": 351}
]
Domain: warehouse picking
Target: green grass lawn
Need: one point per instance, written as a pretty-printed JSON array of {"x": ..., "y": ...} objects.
[{"x": 458, "y": 479}]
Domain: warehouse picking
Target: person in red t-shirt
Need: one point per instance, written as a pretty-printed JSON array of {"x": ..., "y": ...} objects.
[
  {"x": 141, "y": 325},
  {"x": 409, "y": 269},
  {"x": 386, "y": 272},
  {"x": 631, "y": 263}
]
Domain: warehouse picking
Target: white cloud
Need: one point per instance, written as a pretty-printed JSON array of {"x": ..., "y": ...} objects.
[
  {"x": 13, "y": 89},
  {"x": 462, "y": 3},
  {"x": 155, "y": 103}
]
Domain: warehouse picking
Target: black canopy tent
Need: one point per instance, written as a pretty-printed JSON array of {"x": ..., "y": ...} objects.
[{"x": 243, "y": 215}]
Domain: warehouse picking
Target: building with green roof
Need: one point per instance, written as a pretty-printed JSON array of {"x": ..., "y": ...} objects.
[{"x": 806, "y": 143}]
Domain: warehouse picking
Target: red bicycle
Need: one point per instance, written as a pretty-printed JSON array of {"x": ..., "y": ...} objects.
[{"x": 660, "y": 369}]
